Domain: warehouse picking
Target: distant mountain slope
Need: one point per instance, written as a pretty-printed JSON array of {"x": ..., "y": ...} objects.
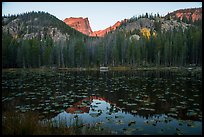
[
  {"x": 38, "y": 39},
  {"x": 136, "y": 26},
  {"x": 192, "y": 14},
  {"x": 180, "y": 18},
  {"x": 37, "y": 25},
  {"x": 82, "y": 25},
  {"x": 102, "y": 33}
]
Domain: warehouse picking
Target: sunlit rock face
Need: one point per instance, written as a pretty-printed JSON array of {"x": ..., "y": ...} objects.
[
  {"x": 80, "y": 24},
  {"x": 102, "y": 33},
  {"x": 194, "y": 14}
]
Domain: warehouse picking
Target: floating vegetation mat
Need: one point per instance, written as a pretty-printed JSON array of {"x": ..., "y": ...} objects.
[{"x": 127, "y": 102}]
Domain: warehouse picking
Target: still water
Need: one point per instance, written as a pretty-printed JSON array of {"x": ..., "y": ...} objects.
[{"x": 125, "y": 102}]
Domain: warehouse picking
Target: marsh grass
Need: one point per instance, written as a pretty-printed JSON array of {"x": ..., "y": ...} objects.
[{"x": 14, "y": 123}]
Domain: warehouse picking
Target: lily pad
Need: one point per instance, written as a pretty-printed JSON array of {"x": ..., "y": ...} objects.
[{"x": 94, "y": 114}]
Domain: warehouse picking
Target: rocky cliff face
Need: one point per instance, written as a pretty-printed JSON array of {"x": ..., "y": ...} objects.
[
  {"x": 102, "y": 33},
  {"x": 139, "y": 24},
  {"x": 80, "y": 24},
  {"x": 193, "y": 13},
  {"x": 22, "y": 28}
]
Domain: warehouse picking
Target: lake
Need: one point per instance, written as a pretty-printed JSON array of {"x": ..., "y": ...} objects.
[{"x": 125, "y": 102}]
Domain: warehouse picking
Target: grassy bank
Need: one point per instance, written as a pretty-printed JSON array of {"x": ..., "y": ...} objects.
[{"x": 28, "y": 124}]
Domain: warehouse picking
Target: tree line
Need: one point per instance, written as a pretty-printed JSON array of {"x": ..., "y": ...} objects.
[
  {"x": 171, "y": 48},
  {"x": 176, "y": 47}
]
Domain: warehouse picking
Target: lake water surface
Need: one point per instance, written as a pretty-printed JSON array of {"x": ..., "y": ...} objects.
[{"x": 125, "y": 102}]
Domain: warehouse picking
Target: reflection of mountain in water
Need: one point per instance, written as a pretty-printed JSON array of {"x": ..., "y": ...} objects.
[
  {"x": 141, "y": 96},
  {"x": 84, "y": 105},
  {"x": 99, "y": 111},
  {"x": 144, "y": 107}
]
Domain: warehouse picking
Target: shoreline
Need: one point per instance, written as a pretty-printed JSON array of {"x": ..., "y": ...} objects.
[{"x": 187, "y": 68}]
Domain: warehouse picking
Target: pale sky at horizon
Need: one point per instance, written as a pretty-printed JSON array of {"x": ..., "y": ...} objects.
[{"x": 101, "y": 14}]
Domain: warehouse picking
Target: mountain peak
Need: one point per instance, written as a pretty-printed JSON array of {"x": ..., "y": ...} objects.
[{"x": 81, "y": 24}]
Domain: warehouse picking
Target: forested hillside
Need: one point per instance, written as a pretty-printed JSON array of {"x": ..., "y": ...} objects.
[
  {"x": 35, "y": 39},
  {"x": 38, "y": 39}
]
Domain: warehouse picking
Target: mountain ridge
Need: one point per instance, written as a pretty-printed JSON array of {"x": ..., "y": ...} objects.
[
  {"x": 37, "y": 25},
  {"x": 82, "y": 25},
  {"x": 39, "y": 39},
  {"x": 194, "y": 14}
]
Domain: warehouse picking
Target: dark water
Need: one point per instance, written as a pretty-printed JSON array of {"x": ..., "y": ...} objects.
[{"x": 126, "y": 102}]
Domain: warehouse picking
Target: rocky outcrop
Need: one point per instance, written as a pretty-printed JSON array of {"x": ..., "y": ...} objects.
[
  {"x": 193, "y": 13},
  {"x": 144, "y": 25},
  {"x": 197, "y": 14},
  {"x": 80, "y": 24},
  {"x": 19, "y": 30},
  {"x": 139, "y": 24},
  {"x": 102, "y": 33},
  {"x": 171, "y": 24},
  {"x": 134, "y": 37}
]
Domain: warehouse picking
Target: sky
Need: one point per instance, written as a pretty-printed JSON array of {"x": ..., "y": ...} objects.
[{"x": 100, "y": 14}]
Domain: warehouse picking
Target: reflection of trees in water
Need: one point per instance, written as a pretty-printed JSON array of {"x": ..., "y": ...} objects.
[
  {"x": 160, "y": 107},
  {"x": 112, "y": 86}
]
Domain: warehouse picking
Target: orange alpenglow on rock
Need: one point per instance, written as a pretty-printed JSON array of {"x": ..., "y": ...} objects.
[
  {"x": 85, "y": 109},
  {"x": 194, "y": 14},
  {"x": 102, "y": 33},
  {"x": 146, "y": 32},
  {"x": 82, "y": 25}
]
